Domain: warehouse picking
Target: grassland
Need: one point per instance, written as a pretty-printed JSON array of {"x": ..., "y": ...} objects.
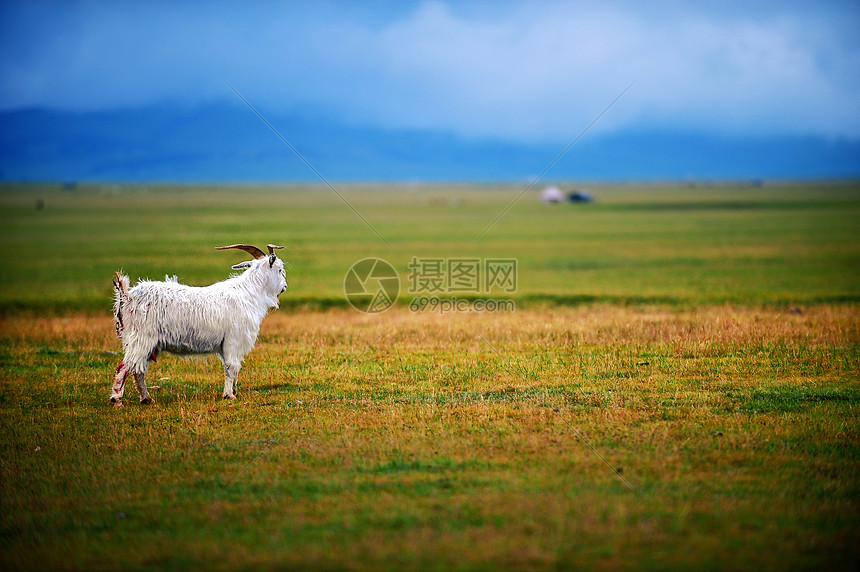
[
  {"x": 788, "y": 244},
  {"x": 652, "y": 404}
]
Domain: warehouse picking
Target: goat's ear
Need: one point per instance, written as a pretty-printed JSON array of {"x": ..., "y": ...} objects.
[
  {"x": 272, "y": 259},
  {"x": 241, "y": 265}
]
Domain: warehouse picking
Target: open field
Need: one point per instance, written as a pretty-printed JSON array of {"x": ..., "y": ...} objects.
[
  {"x": 448, "y": 442},
  {"x": 790, "y": 244},
  {"x": 653, "y": 403}
]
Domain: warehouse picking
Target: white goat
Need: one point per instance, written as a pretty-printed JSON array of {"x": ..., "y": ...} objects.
[{"x": 223, "y": 318}]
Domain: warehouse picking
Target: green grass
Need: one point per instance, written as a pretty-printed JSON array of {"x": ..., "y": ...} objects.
[
  {"x": 789, "y": 244},
  {"x": 651, "y": 404}
]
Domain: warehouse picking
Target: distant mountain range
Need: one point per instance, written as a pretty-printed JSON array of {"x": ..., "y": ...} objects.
[{"x": 226, "y": 143}]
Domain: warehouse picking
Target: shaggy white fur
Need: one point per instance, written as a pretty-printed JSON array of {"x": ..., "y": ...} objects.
[{"x": 223, "y": 319}]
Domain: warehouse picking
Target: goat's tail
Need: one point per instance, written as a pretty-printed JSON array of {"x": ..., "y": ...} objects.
[{"x": 120, "y": 285}]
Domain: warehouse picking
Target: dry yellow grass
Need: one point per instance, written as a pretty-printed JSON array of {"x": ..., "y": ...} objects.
[{"x": 603, "y": 437}]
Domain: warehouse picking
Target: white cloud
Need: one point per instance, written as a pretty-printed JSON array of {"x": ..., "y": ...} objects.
[
  {"x": 547, "y": 72},
  {"x": 534, "y": 71}
]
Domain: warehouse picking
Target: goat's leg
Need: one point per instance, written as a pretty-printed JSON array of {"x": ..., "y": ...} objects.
[
  {"x": 118, "y": 389},
  {"x": 140, "y": 380},
  {"x": 237, "y": 367},
  {"x": 231, "y": 376},
  {"x": 140, "y": 376}
]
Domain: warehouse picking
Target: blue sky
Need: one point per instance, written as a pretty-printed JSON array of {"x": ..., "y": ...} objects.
[{"x": 531, "y": 72}]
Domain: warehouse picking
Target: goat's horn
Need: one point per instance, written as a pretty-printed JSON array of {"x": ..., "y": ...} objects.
[
  {"x": 272, "y": 248},
  {"x": 252, "y": 250}
]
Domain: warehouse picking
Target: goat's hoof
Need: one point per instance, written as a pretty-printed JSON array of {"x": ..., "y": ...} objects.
[
  {"x": 146, "y": 400},
  {"x": 229, "y": 396},
  {"x": 116, "y": 401}
]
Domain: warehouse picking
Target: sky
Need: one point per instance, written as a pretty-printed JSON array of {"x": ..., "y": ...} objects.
[{"x": 531, "y": 72}]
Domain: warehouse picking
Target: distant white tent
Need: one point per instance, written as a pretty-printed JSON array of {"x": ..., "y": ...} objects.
[{"x": 551, "y": 195}]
